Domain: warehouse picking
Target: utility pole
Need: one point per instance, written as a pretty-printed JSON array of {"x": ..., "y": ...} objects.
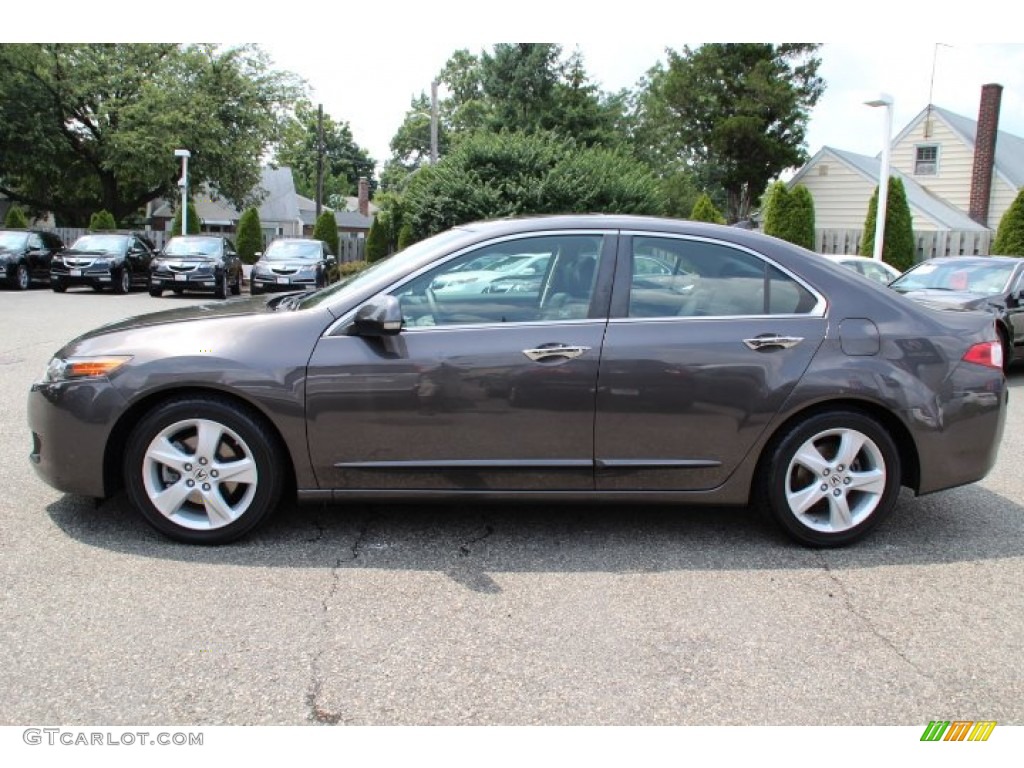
[{"x": 319, "y": 159}]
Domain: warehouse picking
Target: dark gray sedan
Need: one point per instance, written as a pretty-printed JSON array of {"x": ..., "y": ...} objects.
[{"x": 744, "y": 370}]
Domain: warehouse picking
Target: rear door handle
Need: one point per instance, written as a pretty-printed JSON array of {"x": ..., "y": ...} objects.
[
  {"x": 769, "y": 341},
  {"x": 552, "y": 351}
]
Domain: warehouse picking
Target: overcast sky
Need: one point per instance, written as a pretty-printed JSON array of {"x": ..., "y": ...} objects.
[{"x": 364, "y": 61}]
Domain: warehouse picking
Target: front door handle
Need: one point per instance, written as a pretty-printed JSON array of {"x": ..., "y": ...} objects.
[
  {"x": 552, "y": 351},
  {"x": 769, "y": 341}
]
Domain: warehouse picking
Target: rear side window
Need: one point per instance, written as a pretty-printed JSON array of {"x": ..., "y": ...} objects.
[{"x": 675, "y": 277}]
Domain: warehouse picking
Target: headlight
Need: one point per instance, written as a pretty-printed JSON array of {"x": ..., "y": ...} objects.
[
  {"x": 101, "y": 263},
  {"x": 67, "y": 368},
  {"x": 306, "y": 270}
]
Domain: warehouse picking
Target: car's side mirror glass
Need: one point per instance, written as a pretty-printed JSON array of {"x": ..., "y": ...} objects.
[{"x": 380, "y": 316}]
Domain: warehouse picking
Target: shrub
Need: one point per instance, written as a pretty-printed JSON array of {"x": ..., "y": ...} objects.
[
  {"x": 194, "y": 225},
  {"x": 789, "y": 214},
  {"x": 405, "y": 237},
  {"x": 249, "y": 237},
  {"x": 339, "y": 271},
  {"x": 377, "y": 240},
  {"x": 102, "y": 221},
  {"x": 16, "y": 218},
  {"x": 326, "y": 230},
  {"x": 898, "y": 248},
  {"x": 704, "y": 210},
  {"x": 1010, "y": 234}
]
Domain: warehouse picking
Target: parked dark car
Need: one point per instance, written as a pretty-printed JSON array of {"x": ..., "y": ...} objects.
[
  {"x": 291, "y": 264},
  {"x": 749, "y": 371},
  {"x": 25, "y": 256},
  {"x": 974, "y": 282},
  {"x": 197, "y": 263},
  {"x": 103, "y": 260}
]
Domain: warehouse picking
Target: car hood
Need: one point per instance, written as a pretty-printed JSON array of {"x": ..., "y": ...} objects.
[
  {"x": 95, "y": 254},
  {"x": 955, "y": 300},
  {"x": 232, "y": 308},
  {"x": 195, "y": 258}
]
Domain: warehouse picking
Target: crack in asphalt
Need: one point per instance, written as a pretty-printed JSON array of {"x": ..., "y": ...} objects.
[
  {"x": 317, "y": 713},
  {"x": 848, "y": 603},
  {"x": 464, "y": 548}
]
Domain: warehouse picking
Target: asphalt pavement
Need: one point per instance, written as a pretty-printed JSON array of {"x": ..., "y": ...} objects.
[{"x": 491, "y": 614}]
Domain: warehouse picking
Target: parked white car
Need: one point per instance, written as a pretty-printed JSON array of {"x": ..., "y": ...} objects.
[{"x": 876, "y": 270}]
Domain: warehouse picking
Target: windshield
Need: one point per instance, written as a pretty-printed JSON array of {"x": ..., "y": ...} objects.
[
  {"x": 13, "y": 239},
  {"x": 100, "y": 243},
  {"x": 972, "y": 277},
  {"x": 392, "y": 267},
  {"x": 192, "y": 246},
  {"x": 284, "y": 250}
]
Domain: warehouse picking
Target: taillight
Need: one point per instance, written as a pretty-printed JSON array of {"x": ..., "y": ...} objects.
[{"x": 987, "y": 353}]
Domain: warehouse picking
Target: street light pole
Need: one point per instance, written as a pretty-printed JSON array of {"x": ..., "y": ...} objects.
[
  {"x": 883, "y": 100},
  {"x": 184, "y": 154},
  {"x": 433, "y": 123}
]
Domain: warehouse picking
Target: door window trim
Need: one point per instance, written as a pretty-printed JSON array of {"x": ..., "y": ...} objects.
[{"x": 623, "y": 281}]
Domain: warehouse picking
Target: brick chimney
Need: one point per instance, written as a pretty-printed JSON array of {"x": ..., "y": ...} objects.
[
  {"x": 364, "y": 192},
  {"x": 985, "y": 152}
]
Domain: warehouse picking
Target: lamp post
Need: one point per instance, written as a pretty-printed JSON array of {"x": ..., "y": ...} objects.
[
  {"x": 184, "y": 154},
  {"x": 433, "y": 123},
  {"x": 883, "y": 100}
]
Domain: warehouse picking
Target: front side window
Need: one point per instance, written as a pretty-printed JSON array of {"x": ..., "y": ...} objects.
[
  {"x": 927, "y": 160},
  {"x": 512, "y": 281},
  {"x": 695, "y": 278}
]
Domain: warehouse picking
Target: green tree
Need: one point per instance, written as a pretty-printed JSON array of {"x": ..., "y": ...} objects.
[
  {"x": 507, "y": 174},
  {"x": 704, "y": 210},
  {"x": 789, "y": 214},
  {"x": 405, "y": 236},
  {"x": 248, "y": 237},
  {"x": 737, "y": 111},
  {"x": 326, "y": 230},
  {"x": 1010, "y": 234},
  {"x": 194, "y": 224},
  {"x": 102, "y": 221},
  {"x": 377, "y": 241},
  {"x": 91, "y": 126},
  {"x": 15, "y": 218},
  {"x": 344, "y": 160},
  {"x": 898, "y": 248}
]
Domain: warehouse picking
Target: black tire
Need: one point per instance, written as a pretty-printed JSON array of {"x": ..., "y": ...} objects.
[
  {"x": 123, "y": 281},
  {"x": 97, "y": 287},
  {"x": 156, "y": 293},
  {"x": 210, "y": 511},
  {"x": 236, "y": 288},
  {"x": 808, "y": 502},
  {"x": 21, "y": 280},
  {"x": 58, "y": 286},
  {"x": 221, "y": 291},
  {"x": 178, "y": 291},
  {"x": 254, "y": 289}
]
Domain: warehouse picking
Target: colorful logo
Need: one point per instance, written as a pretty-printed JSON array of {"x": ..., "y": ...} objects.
[{"x": 958, "y": 730}]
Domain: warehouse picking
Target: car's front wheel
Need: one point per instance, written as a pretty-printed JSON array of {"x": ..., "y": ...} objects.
[
  {"x": 221, "y": 291},
  {"x": 832, "y": 478},
  {"x": 203, "y": 470},
  {"x": 124, "y": 281},
  {"x": 21, "y": 279}
]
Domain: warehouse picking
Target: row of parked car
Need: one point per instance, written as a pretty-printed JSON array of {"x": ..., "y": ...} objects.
[{"x": 122, "y": 261}]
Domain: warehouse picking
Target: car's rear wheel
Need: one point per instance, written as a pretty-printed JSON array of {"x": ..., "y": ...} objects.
[
  {"x": 221, "y": 291},
  {"x": 58, "y": 285},
  {"x": 203, "y": 470},
  {"x": 832, "y": 478}
]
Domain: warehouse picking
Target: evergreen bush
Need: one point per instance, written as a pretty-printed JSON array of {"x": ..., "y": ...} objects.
[{"x": 1010, "y": 234}]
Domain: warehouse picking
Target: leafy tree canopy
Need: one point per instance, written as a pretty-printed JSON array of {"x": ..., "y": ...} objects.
[
  {"x": 493, "y": 175},
  {"x": 96, "y": 125},
  {"x": 344, "y": 160},
  {"x": 735, "y": 112}
]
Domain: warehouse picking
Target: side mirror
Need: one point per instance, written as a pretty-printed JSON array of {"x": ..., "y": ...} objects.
[{"x": 380, "y": 316}]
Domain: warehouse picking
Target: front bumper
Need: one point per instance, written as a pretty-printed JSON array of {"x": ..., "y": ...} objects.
[
  {"x": 94, "y": 276},
  {"x": 183, "y": 281},
  {"x": 283, "y": 282},
  {"x": 71, "y": 423}
]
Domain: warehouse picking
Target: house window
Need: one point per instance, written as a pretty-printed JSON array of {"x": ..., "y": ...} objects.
[
  {"x": 823, "y": 169},
  {"x": 927, "y": 161}
]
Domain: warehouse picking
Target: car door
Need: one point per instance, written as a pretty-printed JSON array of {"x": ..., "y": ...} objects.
[
  {"x": 481, "y": 391},
  {"x": 696, "y": 362},
  {"x": 139, "y": 257},
  {"x": 38, "y": 257},
  {"x": 232, "y": 261}
]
